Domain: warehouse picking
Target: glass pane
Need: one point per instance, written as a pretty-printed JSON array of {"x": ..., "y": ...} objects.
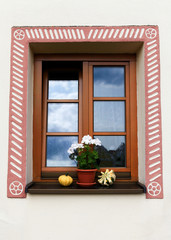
[
  {"x": 109, "y": 81},
  {"x": 109, "y": 116},
  {"x": 63, "y": 85},
  {"x": 56, "y": 152},
  {"x": 63, "y": 89},
  {"x": 112, "y": 153},
  {"x": 62, "y": 117}
]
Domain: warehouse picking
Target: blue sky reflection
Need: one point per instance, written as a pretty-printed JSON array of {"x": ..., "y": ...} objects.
[
  {"x": 57, "y": 147},
  {"x": 109, "y": 81},
  {"x": 63, "y": 89}
]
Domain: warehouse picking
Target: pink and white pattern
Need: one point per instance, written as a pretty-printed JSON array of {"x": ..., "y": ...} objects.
[
  {"x": 21, "y": 37},
  {"x": 17, "y": 115}
]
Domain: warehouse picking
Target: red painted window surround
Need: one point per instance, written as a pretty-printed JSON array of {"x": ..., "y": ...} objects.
[{"x": 22, "y": 36}]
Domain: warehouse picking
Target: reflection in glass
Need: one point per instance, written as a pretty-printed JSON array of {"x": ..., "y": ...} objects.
[
  {"x": 112, "y": 153},
  {"x": 109, "y": 116},
  {"x": 62, "y": 117},
  {"x": 109, "y": 81},
  {"x": 56, "y": 153},
  {"x": 63, "y": 89}
]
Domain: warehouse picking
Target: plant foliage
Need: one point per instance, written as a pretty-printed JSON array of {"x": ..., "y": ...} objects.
[{"x": 85, "y": 154}]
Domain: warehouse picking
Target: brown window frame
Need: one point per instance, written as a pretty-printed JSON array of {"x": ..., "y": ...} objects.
[{"x": 42, "y": 173}]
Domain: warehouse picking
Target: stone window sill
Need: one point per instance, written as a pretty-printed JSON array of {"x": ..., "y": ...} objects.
[{"x": 56, "y": 188}]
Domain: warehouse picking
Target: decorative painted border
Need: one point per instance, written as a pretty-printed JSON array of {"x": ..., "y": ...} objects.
[{"x": 22, "y": 36}]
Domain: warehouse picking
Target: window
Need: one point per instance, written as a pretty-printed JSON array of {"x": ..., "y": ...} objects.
[
  {"x": 75, "y": 95},
  {"x": 26, "y": 42}
]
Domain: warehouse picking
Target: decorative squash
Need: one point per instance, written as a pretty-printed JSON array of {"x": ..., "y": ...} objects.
[
  {"x": 107, "y": 178},
  {"x": 65, "y": 180}
]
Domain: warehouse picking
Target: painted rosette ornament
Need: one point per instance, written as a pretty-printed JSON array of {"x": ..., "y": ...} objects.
[
  {"x": 151, "y": 33},
  {"x": 154, "y": 189},
  {"x": 107, "y": 178},
  {"x": 19, "y": 34},
  {"x": 16, "y": 188}
]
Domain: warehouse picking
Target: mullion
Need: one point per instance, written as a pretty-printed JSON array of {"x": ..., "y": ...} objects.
[
  {"x": 62, "y": 101},
  {"x": 62, "y": 133},
  {"x": 110, "y": 133},
  {"x": 109, "y": 98}
]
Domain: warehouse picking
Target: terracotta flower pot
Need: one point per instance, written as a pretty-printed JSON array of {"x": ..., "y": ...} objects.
[{"x": 86, "y": 175}]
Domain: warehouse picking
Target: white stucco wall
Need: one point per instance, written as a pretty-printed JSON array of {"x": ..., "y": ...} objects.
[{"x": 76, "y": 217}]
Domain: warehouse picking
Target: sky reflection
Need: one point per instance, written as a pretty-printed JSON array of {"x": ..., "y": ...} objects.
[
  {"x": 56, "y": 154},
  {"x": 109, "y": 81},
  {"x": 62, "y": 117},
  {"x": 63, "y": 89}
]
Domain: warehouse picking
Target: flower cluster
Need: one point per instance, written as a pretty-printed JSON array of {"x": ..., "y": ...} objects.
[
  {"x": 84, "y": 153},
  {"x": 87, "y": 139},
  {"x": 74, "y": 147}
]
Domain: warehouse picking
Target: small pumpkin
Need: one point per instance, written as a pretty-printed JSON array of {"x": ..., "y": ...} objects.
[{"x": 65, "y": 180}]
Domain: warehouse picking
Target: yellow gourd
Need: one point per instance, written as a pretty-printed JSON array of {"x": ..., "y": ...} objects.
[{"x": 65, "y": 180}]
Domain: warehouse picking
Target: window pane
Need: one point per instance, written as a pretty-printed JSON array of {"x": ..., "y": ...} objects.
[
  {"x": 109, "y": 81},
  {"x": 63, "y": 89},
  {"x": 62, "y": 117},
  {"x": 56, "y": 153},
  {"x": 109, "y": 116},
  {"x": 112, "y": 153},
  {"x": 63, "y": 84}
]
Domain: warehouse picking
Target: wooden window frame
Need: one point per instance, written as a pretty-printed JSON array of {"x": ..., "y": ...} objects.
[
  {"x": 129, "y": 61},
  {"x": 44, "y": 119}
]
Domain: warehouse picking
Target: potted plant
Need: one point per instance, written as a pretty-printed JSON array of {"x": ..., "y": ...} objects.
[{"x": 86, "y": 156}]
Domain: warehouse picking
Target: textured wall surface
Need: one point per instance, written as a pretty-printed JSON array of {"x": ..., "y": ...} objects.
[{"x": 116, "y": 216}]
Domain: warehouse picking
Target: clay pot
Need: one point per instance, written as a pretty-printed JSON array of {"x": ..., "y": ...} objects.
[{"x": 86, "y": 175}]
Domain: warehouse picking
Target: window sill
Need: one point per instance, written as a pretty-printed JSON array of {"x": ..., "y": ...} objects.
[{"x": 56, "y": 188}]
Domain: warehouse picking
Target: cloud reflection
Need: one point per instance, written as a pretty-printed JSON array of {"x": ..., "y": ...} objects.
[
  {"x": 57, "y": 147},
  {"x": 63, "y": 89},
  {"x": 109, "y": 81},
  {"x": 62, "y": 117}
]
